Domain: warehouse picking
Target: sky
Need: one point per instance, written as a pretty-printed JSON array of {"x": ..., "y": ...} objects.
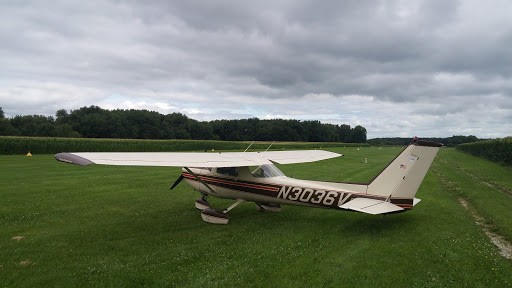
[{"x": 399, "y": 68}]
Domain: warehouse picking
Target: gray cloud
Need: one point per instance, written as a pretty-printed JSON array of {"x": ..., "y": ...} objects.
[{"x": 399, "y": 68}]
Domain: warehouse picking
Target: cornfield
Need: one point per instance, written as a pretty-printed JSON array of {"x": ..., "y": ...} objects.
[
  {"x": 49, "y": 145},
  {"x": 498, "y": 150}
]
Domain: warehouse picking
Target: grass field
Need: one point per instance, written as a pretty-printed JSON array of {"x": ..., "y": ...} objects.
[{"x": 67, "y": 226}]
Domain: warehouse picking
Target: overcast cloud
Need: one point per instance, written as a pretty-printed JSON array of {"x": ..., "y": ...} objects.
[{"x": 399, "y": 68}]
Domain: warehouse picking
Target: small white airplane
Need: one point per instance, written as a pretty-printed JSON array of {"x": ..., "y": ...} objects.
[{"x": 252, "y": 176}]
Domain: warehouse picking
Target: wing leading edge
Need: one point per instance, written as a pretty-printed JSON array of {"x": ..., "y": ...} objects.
[{"x": 190, "y": 159}]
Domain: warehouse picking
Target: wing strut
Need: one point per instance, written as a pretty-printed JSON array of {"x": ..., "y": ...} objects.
[
  {"x": 200, "y": 180},
  {"x": 249, "y": 146},
  {"x": 270, "y": 146}
]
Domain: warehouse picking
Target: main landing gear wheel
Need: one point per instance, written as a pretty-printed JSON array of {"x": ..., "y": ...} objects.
[
  {"x": 269, "y": 207},
  {"x": 214, "y": 217}
]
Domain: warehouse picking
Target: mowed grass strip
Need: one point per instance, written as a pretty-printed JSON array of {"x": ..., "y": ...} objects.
[
  {"x": 486, "y": 185},
  {"x": 121, "y": 226}
]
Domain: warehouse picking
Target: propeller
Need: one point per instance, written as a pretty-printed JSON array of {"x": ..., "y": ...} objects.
[{"x": 177, "y": 181}]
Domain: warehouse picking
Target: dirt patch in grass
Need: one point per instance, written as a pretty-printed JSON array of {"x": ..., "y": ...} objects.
[
  {"x": 503, "y": 245},
  {"x": 25, "y": 263}
]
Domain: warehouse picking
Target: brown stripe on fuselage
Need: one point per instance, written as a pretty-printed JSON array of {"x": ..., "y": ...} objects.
[{"x": 246, "y": 186}]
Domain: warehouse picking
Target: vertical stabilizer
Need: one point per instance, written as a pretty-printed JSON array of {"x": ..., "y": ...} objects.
[{"x": 403, "y": 176}]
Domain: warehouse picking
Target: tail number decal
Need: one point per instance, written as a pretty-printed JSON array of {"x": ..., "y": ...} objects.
[{"x": 317, "y": 197}]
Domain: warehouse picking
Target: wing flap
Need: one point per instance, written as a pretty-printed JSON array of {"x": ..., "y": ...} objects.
[
  {"x": 190, "y": 159},
  {"x": 371, "y": 206}
]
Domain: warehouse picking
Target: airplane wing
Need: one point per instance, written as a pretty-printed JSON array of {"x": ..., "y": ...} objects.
[
  {"x": 191, "y": 159},
  {"x": 371, "y": 206}
]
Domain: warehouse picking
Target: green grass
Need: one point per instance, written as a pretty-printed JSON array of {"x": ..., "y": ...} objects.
[
  {"x": 122, "y": 226},
  {"x": 486, "y": 185}
]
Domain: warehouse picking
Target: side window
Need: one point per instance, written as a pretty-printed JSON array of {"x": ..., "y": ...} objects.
[
  {"x": 257, "y": 172},
  {"x": 230, "y": 171},
  {"x": 266, "y": 171}
]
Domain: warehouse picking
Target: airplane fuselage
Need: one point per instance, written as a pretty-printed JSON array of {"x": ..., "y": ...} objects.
[{"x": 280, "y": 189}]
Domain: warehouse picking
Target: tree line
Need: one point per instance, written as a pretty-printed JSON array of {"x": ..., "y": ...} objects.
[
  {"x": 447, "y": 141},
  {"x": 95, "y": 122}
]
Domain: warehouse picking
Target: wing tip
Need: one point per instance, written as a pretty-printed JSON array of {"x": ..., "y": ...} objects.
[{"x": 72, "y": 159}]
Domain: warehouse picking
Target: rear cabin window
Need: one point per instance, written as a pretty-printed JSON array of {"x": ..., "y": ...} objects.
[{"x": 229, "y": 171}]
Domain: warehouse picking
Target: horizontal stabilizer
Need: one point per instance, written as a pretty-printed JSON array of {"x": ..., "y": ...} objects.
[{"x": 371, "y": 206}]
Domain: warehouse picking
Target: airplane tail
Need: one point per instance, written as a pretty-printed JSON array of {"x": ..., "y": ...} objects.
[
  {"x": 403, "y": 176},
  {"x": 398, "y": 182}
]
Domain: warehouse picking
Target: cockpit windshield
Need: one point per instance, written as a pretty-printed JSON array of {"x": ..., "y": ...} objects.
[{"x": 267, "y": 171}]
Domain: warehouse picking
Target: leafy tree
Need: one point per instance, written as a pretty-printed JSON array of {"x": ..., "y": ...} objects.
[
  {"x": 344, "y": 132},
  {"x": 176, "y": 126},
  {"x": 200, "y": 130},
  {"x": 6, "y": 129},
  {"x": 61, "y": 116},
  {"x": 34, "y": 125},
  {"x": 458, "y": 139},
  {"x": 65, "y": 130},
  {"x": 358, "y": 134}
]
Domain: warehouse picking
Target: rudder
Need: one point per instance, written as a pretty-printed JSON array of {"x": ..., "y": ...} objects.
[{"x": 403, "y": 176}]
